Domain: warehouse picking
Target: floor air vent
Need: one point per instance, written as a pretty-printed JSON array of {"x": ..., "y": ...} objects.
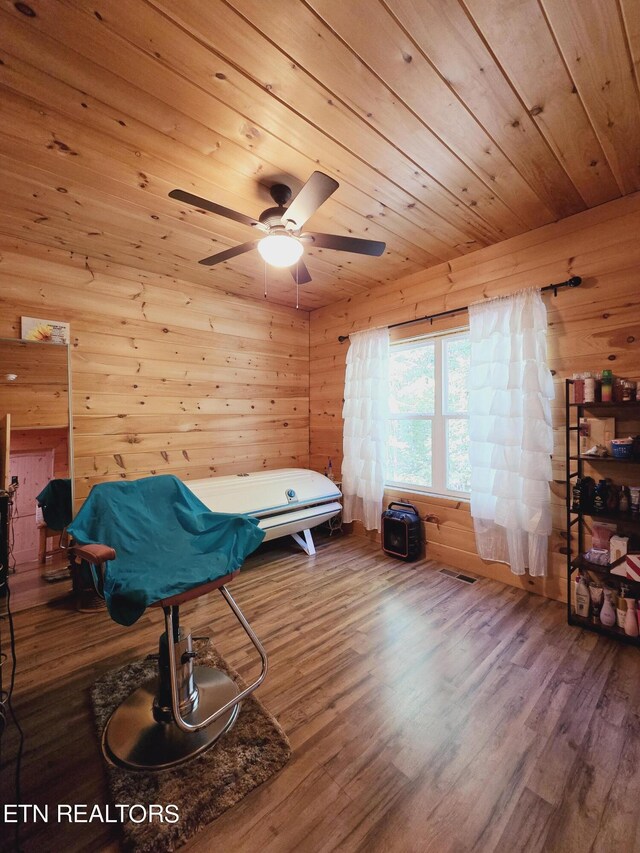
[{"x": 458, "y": 576}]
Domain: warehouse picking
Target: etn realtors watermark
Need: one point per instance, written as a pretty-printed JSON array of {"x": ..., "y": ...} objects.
[{"x": 88, "y": 813}]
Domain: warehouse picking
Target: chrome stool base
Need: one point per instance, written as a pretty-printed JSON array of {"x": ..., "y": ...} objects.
[{"x": 133, "y": 738}]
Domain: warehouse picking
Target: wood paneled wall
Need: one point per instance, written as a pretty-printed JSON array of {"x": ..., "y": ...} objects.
[
  {"x": 594, "y": 327},
  {"x": 39, "y": 395},
  {"x": 168, "y": 376}
]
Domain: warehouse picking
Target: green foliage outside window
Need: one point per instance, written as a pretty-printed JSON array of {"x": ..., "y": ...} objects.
[{"x": 423, "y": 404}]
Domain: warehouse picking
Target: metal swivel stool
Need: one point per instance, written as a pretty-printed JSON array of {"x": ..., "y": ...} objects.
[{"x": 185, "y": 708}]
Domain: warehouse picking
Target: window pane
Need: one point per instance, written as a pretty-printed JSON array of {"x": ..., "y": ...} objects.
[
  {"x": 458, "y": 465},
  {"x": 409, "y": 452},
  {"x": 457, "y": 353},
  {"x": 412, "y": 380}
]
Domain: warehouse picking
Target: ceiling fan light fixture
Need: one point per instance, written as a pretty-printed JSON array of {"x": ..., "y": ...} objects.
[{"x": 280, "y": 250}]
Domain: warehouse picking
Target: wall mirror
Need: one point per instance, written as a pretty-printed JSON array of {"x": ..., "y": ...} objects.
[{"x": 37, "y": 444}]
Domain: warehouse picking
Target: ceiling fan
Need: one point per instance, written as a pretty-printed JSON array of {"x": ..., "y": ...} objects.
[{"x": 283, "y": 243}]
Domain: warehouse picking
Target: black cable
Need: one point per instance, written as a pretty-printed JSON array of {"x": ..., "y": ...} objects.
[
  {"x": 9, "y": 703},
  {"x": 11, "y": 538},
  {"x": 14, "y": 663}
]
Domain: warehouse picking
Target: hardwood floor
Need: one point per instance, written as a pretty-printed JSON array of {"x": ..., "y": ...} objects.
[
  {"x": 30, "y": 589},
  {"x": 424, "y": 714}
]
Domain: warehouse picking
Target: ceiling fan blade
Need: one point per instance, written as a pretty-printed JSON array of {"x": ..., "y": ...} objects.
[
  {"x": 314, "y": 193},
  {"x": 346, "y": 244},
  {"x": 212, "y": 207},
  {"x": 300, "y": 273},
  {"x": 229, "y": 253}
]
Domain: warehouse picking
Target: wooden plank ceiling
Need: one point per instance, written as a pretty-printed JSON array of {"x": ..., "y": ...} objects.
[{"x": 450, "y": 125}]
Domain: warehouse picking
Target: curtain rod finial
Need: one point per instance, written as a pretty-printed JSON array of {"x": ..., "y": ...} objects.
[
  {"x": 343, "y": 338},
  {"x": 574, "y": 281}
]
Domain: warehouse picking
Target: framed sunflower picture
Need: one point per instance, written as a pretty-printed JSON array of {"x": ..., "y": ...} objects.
[{"x": 44, "y": 331}]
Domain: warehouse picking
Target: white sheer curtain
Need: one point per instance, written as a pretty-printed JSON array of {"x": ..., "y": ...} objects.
[
  {"x": 366, "y": 393},
  {"x": 511, "y": 438}
]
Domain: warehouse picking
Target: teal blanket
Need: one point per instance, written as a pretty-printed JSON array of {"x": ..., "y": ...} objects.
[{"x": 165, "y": 538}]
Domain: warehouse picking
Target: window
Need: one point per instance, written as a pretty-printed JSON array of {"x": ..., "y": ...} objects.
[{"x": 428, "y": 446}]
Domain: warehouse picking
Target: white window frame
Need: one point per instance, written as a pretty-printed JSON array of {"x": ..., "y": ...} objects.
[{"x": 438, "y": 418}]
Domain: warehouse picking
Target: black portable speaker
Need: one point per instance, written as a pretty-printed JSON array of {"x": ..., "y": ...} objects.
[{"x": 401, "y": 531}]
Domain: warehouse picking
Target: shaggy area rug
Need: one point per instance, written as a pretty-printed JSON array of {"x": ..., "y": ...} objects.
[{"x": 207, "y": 785}]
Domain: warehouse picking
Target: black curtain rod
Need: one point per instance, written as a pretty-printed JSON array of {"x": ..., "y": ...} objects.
[{"x": 574, "y": 281}]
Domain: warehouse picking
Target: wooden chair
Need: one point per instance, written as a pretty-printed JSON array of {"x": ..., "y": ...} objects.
[{"x": 48, "y": 533}]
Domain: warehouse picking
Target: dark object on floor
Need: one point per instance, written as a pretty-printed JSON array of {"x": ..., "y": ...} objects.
[
  {"x": 63, "y": 573},
  {"x": 401, "y": 529},
  {"x": 203, "y": 788}
]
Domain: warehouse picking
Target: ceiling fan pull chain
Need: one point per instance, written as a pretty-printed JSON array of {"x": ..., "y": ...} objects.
[
  {"x": 265, "y": 279},
  {"x": 297, "y": 285}
]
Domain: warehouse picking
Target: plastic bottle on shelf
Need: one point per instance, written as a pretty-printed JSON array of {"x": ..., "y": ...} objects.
[
  {"x": 613, "y": 499},
  {"x": 600, "y": 496},
  {"x": 583, "y": 601},
  {"x": 631, "y": 620},
  {"x": 608, "y": 611},
  {"x": 606, "y": 388},
  {"x": 623, "y": 504},
  {"x": 330, "y": 471},
  {"x": 574, "y": 592},
  {"x": 587, "y": 488},
  {"x": 621, "y": 606},
  {"x": 578, "y": 387},
  {"x": 596, "y": 593},
  {"x": 576, "y": 493},
  {"x": 598, "y": 377},
  {"x": 589, "y": 388}
]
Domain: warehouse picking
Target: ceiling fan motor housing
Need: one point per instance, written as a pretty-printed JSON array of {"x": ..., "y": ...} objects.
[
  {"x": 281, "y": 194},
  {"x": 272, "y": 216}
]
